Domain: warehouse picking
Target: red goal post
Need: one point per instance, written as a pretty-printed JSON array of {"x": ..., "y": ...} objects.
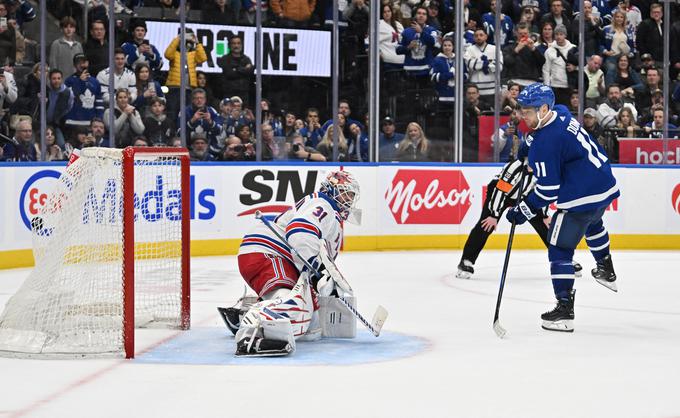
[{"x": 129, "y": 155}]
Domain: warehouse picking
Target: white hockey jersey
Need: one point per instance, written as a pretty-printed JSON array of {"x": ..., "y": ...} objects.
[{"x": 314, "y": 221}]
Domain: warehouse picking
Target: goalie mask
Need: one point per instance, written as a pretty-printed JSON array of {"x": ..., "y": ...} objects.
[{"x": 344, "y": 190}]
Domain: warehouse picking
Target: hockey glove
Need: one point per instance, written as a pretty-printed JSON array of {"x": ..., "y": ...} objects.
[{"x": 520, "y": 213}]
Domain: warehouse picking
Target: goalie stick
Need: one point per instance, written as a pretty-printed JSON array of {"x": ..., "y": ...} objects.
[
  {"x": 500, "y": 331},
  {"x": 380, "y": 314}
]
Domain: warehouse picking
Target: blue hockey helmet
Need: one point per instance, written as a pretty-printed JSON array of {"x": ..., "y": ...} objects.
[{"x": 536, "y": 95}]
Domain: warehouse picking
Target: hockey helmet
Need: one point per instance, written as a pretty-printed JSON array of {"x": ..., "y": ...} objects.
[
  {"x": 343, "y": 188},
  {"x": 536, "y": 95}
]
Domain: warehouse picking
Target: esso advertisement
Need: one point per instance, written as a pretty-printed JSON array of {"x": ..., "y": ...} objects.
[
  {"x": 272, "y": 191},
  {"x": 430, "y": 197},
  {"x": 102, "y": 204},
  {"x": 34, "y": 194}
]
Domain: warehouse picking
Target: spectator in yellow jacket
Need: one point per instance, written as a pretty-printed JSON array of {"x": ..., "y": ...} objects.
[{"x": 195, "y": 56}]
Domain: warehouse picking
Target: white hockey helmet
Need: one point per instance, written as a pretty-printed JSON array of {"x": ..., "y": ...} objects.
[{"x": 343, "y": 188}]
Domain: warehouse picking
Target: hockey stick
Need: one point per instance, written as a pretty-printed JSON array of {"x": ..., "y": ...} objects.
[
  {"x": 500, "y": 331},
  {"x": 380, "y": 314}
]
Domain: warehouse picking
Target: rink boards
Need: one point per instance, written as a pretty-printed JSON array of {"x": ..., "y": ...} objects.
[{"x": 420, "y": 206}]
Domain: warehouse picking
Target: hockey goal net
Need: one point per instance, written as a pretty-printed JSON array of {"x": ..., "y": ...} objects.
[{"x": 111, "y": 249}]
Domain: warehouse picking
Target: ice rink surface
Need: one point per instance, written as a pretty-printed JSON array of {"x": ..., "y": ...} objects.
[{"x": 438, "y": 357}]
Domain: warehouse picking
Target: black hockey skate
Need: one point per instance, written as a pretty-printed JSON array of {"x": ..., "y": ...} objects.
[
  {"x": 562, "y": 317},
  {"x": 465, "y": 269},
  {"x": 604, "y": 273},
  {"x": 261, "y": 347}
]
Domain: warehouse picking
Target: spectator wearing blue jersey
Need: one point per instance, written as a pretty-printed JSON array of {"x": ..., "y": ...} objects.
[
  {"x": 443, "y": 73},
  {"x": 389, "y": 140},
  {"x": 203, "y": 119},
  {"x": 139, "y": 51},
  {"x": 572, "y": 171},
  {"x": 346, "y": 111},
  {"x": 87, "y": 93},
  {"x": 22, "y": 10},
  {"x": 489, "y": 23},
  {"x": 418, "y": 43}
]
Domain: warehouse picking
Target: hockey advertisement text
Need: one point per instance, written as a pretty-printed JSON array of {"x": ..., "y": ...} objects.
[
  {"x": 273, "y": 191},
  {"x": 648, "y": 151},
  {"x": 428, "y": 196},
  {"x": 160, "y": 201}
]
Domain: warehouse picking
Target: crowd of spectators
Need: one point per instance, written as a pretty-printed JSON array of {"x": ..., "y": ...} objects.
[{"x": 539, "y": 41}]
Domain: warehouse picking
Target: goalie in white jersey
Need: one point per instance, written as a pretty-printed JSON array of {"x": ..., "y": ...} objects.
[{"x": 313, "y": 229}]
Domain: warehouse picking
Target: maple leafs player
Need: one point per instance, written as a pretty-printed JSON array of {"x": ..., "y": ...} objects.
[
  {"x": 501, "y": 193},
  {"x": 288, "y": 302},
  {"x": 572, "y": 170}
]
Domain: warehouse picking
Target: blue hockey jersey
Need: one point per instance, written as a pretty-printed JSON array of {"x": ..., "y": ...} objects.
[
  {"x": 570, "y": 167},
  {"x": 418, "y": 60}
]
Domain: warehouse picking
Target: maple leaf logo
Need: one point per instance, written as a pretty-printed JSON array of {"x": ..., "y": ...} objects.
[{"x": 87, "y": 99}]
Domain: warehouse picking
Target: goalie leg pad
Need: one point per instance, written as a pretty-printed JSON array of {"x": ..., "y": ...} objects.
[{"x": 336, "y": 320}]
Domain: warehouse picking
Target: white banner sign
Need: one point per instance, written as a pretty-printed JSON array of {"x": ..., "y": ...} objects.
[{"x": 285, "y": 51}]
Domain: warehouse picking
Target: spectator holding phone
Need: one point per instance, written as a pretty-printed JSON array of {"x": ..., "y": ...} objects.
[
  {"x": 203, "y": 119},
  {"x": 139, "y": 50},
  {"x": 87, "y": 94},
  {"x": 147, "y": 88},
  {"x": 523, "y": 60}
]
